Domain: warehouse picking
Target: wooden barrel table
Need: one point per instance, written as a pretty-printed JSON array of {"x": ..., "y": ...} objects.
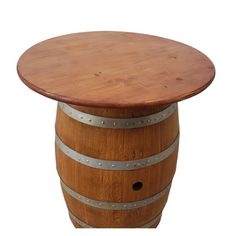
[{"x": 117, "y": 128}]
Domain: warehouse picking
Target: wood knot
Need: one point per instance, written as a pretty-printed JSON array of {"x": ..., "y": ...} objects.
[{"x": 98, "y": 73}]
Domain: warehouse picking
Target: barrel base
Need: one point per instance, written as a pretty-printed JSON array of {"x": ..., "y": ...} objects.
[
  {"x": 77, "y": 225},
  {"x": 156, "y": 224}
]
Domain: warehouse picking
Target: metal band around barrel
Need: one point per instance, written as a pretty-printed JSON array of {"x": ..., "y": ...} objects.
[
  {"x": 114, "y": 205},
  {"x": 85, "y": 225},
  {"x": 117, "y": 165},
  {"x": 121, "y": 123}
]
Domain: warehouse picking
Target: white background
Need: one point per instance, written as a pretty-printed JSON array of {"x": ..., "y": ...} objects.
[{"x": 203, "y": 195}]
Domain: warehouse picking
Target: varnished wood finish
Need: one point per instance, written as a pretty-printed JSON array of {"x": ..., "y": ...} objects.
[
  {"x": 118, "y": 75},
  {"x": 120, "y": 112},
  {"x": 118, "y": 145},
  {"x": 79, "y": 226},
  {"x": 100, "y": 218},
  {"x": 115, "y": 186},
  {"x": 115, "y": 69}
]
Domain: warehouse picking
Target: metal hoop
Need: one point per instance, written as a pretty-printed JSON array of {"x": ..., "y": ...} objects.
[
  {"x": 117, "y": 165},
  {"x": 114, "y": 205},
  {"x": 115, "y": 123},
  {"x": 85, "y": 225}
]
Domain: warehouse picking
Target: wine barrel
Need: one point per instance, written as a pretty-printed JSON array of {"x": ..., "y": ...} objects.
[
  {"x": 116, "y": 146},
  {"x": 115, "y": 164}
]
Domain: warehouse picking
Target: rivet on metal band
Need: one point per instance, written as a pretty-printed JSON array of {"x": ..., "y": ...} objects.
[
  {"x": 114, "y": 205},
  {"x": 121, "y": 123},
  {"x": 117, "y": 165},
  {"x": 85, "y": 225}
]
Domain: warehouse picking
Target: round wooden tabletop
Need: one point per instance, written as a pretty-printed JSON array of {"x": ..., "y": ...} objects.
[{"x": 115, "y": 69}]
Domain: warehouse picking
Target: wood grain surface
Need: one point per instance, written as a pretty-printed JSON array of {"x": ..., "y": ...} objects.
[
  {"x": 115, "y": 69},
  {"x": 79, "y": 226},
  {"x": 101, "y": 218},
  {"x": 118, "y": 145}
]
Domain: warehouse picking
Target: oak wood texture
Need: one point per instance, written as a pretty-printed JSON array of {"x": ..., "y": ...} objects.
[
  {"x": 76, "y": 225},
  {"x": 115, "y": 69},
  {"x": 115, "y": 144},
  {"x": 116, "y": 186},
  {"x": 101, "y": 218}
]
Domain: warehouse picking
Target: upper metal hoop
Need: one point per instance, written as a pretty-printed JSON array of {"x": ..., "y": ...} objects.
[{"x": 115, "y": 123}]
